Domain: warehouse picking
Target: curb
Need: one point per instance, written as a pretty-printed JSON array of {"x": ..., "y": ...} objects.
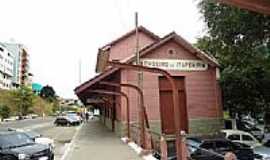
[
  {"x": 69, "y": 146},
  {"x": 137, "y": 149}
]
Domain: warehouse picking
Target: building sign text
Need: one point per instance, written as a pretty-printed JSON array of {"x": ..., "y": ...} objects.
[{"x": 176, "y": 64}]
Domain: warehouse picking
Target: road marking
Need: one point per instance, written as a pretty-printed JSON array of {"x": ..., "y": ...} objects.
[{"x": 69, "y": 146}]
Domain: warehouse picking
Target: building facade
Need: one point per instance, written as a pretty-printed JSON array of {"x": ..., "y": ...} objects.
[
  {"x": 6, "y": 67},
  {"x": 21, "y": 66},
  {"x": 195, "y": 73}
]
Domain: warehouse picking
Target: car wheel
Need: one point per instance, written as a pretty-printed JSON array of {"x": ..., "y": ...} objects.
[{"x": 68, "y": 124}]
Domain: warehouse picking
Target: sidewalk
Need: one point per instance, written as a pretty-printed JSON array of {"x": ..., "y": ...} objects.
[{"x": 95, "y": 142}]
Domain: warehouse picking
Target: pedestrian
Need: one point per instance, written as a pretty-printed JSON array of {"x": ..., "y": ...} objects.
[
  {"x": 87, "y": 116},
  {"x": 83, "y": 116}
]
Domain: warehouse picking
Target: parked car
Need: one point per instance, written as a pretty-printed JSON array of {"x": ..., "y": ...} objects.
[
  {"x": 36, "y": 137},
  {"x": 252, "y": 129},
  {"x": 9, "y": 119},
  {"x": 66, "y": 121},
  {"x": 75, "y": 116},
  {"x": 17, "y": 146},
  {"x": 249, "y": 119},
  {"x": 12, "y": 118},
  {"x": 241, "y": 137},
  {"x": 215, "y": 148},
  {"x": 263, "y": 150},
  {"x": 32, "y": 116}
]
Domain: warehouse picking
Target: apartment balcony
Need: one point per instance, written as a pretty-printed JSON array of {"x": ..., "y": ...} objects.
[
  {"x": 25, "y": 68},
  {"x": 24, "y": 60}
]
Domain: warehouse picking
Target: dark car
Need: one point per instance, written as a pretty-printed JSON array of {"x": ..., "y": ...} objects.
[
  {"x": 66, "y": 121},
  {"x": 216, "y": 148},
  {"x": 17, "y": 146},
  {"x": 252, "y": 129}
]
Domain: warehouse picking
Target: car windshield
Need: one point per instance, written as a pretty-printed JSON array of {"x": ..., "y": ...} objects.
[
  {"x": 32, "y": 134},
  {"x": 14, "y": 140},
  {"x": 72, "y": 117}
]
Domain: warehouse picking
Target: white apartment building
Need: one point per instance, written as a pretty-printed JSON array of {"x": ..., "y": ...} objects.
[
  {"x": 21, "y": 66},
  {"x": 6, "y": 67}
]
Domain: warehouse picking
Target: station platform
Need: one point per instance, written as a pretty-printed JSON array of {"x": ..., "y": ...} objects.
[{"x": 96, "y": 142}]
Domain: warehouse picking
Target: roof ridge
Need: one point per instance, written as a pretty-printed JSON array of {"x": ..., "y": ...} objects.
[{"x": 140, "y": 28}]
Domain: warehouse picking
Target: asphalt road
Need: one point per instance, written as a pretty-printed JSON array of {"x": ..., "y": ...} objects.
[
  {"x": 26, "y": 123},
  {"x": 62, "y": 136}
]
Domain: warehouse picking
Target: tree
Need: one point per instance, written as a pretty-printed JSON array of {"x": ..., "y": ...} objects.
[
  {"x": 240, "y": 40},
  {"x": 4, "y": 111},
  {"x": 42, "y": 106},
  {"x": 23, "y": 100},
  {"x": 48, "y": 93}
]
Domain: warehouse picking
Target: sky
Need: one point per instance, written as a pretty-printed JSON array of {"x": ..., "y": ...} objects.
[{"x": 60, "y": 33}]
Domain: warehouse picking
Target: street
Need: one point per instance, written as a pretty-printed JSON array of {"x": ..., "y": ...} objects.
[{"x": 62, "y": 136}]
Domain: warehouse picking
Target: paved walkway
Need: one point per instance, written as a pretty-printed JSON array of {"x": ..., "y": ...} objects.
[{"x": 95, "y": 142}]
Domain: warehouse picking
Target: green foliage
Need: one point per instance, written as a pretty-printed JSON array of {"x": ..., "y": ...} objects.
[
  {"x": 55, "y": 105},
  {"x": 48, "y": 93},
  {"x": 41, "y": 106},
  {"x": 240, "y": 40},
  {"x": 23, "y": 100},
  {"x": 4, "y": 111}
]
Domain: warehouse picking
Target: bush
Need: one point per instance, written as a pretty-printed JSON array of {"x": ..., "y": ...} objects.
[{"x": 4, "y": 111}]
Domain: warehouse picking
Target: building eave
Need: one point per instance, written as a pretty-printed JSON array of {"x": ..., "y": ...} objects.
[
  {"x": 81, "y": 88},
  {"x": 260, "y": 6}
]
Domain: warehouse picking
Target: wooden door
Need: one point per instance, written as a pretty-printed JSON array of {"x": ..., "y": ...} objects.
[
  {"x": 166, "y": 104},
  {"x": 166, "y": 109}
]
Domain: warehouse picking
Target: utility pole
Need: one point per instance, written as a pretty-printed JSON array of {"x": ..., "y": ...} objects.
[
  {"x": 140, "y": 79},
  {"x": 137, "y": 40}
]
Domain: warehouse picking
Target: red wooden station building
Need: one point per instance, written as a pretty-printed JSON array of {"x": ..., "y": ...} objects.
[{"x": 195, "y": 73}]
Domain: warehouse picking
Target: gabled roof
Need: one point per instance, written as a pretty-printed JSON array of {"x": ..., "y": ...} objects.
[
  {"x": 146, "y": 50},
  {"x": 200, "y": 54},
  {"x": 140, "y": 29}
]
